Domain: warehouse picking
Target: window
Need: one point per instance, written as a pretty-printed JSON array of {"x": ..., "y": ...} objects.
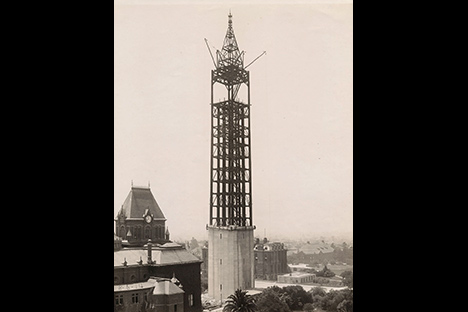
[
  {"x": 220, "y": 286},
  {"x": 135, "y": 298},
  {"x": 190, "y": 300},
  {"x": 175, "y": 308},
  {"x": 118, "y": 299},
  {"x": 220, "y": 236},
  {"x": 221, "y": 261}
]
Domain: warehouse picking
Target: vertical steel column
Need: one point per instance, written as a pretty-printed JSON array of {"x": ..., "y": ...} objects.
[
  {"x": 212, "y": 152},
  {"x": 250, "y": 152}
]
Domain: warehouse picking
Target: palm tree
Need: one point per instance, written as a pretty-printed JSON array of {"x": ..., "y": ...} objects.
[{"x": 240, "y": 302}]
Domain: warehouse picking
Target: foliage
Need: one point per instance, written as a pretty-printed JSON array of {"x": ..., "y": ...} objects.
[
  {"x": 325, "y": 272},
  {"x": 332, "y": 300},
  {"x": 347, "y": 278},
  {"x": 336, "y": 301},
  {"x": 320, "y": 280},
  {"x": 317, "y": 294},
  {"x": 298, "y": 297},
  {"x": 270, "y": 300},
  {"x": 240, "y": 302},
  {"x": 286, "y": 299},
  {"x": 345, "y": 306},
  {"x": 295, "y": 297},
  {"x": 317, "y": 291}
]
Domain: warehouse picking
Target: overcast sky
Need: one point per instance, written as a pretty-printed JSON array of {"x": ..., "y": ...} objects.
[{"x": 301, "y": 118}]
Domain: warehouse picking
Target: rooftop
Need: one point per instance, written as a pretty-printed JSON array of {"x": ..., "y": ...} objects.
[
  {"x": 315, "y": 248},
  {"x": 163, "y": 255},
  {"x": 162, "y": 286},
  {"x": 134, "y": 286},
  {"x": 139, "y": 200},
  {"x": 165, "y": 287},
  {"x": 298, "y": 274}
]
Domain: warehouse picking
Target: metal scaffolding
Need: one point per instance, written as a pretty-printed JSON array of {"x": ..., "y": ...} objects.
[{"x": 231, "y": 167}]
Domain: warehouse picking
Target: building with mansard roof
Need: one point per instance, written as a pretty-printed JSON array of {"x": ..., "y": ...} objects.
[{"x": 140, "y": 218}]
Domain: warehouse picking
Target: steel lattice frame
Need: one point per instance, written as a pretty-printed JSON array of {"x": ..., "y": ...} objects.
[{"x": 231, "y": 183}]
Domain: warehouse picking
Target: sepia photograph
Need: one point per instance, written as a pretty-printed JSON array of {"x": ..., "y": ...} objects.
[{"x": 233, "y": 156}]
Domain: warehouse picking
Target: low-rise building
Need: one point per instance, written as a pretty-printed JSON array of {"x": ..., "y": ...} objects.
[
  {"x": 155, "y": 295},
  {"x": 301, "y": 267},
  {"x": 296, "y": 278},
  {"x": 141, "y": 274}
]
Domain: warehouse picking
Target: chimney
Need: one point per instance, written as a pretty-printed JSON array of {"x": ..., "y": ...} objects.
[{"x": 150, "y": 251}]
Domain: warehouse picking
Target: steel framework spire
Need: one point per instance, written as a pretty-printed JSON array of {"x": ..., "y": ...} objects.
[{"x": 231, "y": 183}]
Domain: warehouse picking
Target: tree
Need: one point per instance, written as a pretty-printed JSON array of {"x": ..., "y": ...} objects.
[
  {"x": 337, "y": 301},
  {"x": 298, "y": 297},
  {"x": 318, "y": 291},
  {"x": 317, "y": 294},
  {"x": 345, "y": 306},
  {"x": 308, "y": 307},
  {"x": 193, "y": 243},
  {"x": 332, "y": 300},
  {"x": 325, "y": 272},
  {"x": 270, "y": 300},
  {"x": 240, "y": 302},
  {"x": 347, "y": 278},
  {"x": 294, "y": 296}
]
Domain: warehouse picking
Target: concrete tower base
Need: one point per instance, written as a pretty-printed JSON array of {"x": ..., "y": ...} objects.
[{"x": 230, "y": 260}]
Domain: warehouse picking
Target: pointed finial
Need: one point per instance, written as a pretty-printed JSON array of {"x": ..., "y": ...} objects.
[{"x": 230, "y": 17}]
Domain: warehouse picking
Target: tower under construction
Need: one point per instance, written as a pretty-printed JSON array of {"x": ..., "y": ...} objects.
[{"x": 230, "y": 228}]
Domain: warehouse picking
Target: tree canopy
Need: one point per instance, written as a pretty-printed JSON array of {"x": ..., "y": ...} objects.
[
  {"x": 295, "y": 298},
  {"x": 240, "y": 302},
  {"x": 347, "y": 278},
  {"x": 270, "y": 300}
]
